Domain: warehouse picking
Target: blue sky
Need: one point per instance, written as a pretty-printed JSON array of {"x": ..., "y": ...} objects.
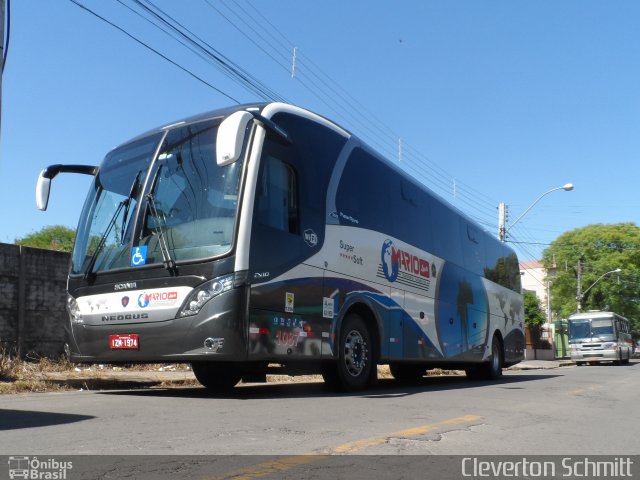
[{"x": 495, "y": 101}]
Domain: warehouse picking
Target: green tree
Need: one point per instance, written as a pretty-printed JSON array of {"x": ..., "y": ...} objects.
[
  {"x": 56, "y": 237},
  {"x": 599, "y": 249},
  {"x": 534, "y": 319},
  {"x": 533, "y": 315}
]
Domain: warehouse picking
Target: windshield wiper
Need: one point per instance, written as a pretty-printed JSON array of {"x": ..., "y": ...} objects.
[
  {"x": 103, "y": 239},
  {"x": 132, "y": 193},
  {"x": 167, "y": 260},
  {"x": 126, "y": 203}
]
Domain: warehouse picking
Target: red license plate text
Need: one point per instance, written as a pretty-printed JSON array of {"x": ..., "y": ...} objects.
[{"x": 129, "y": 341}]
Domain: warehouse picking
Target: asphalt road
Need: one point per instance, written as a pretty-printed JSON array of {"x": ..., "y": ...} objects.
[{"x": 590, "y": 410}]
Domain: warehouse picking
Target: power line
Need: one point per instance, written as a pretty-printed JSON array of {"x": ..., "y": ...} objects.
[
  {"x": 190, "y": 73},
  {"x": 236, "y": 72},
  {"x": 580, "y": 245},
  {"x": 331, "y": 93},
  {"x": 358, "y": 112}
]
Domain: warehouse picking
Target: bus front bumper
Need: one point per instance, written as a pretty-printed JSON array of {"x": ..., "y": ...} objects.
[
  {"x": 595, "y": 356},
  {"x": 217, "y": 332}
]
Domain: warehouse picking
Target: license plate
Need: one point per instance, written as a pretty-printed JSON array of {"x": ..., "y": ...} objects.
[{"x": 129, "y": 341}]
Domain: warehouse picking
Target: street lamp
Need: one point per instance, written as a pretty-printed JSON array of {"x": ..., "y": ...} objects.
[
  {"x": 580, "y": 295},
  {"x": 502, "y": 231}
]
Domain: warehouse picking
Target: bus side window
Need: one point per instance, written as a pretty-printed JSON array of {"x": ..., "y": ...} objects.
[{"x": 278, "y": 197}]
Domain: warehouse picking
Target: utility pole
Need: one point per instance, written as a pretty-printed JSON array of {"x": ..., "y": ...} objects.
[
  {"x": 502, "y": 219},
  {"x": 579, "y": 286},
  {"x": 293, "y": 62}
]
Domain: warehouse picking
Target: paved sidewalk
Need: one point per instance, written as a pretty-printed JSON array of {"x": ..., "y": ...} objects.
[{"x": 541, "y": 364}]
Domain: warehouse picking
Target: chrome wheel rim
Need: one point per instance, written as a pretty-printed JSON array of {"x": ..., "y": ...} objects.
[{"x": 355, "y": 353}]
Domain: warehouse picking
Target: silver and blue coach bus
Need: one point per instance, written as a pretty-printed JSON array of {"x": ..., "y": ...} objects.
[
  {"x": 265, "y": 236},
  {"x": 596, "y": 337}
]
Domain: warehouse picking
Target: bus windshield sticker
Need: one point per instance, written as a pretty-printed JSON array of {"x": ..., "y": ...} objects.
[
  {"x": 288, "y": 304},
  {"x": 327, "y": 307},
  {"x": 139, "y": 256}
]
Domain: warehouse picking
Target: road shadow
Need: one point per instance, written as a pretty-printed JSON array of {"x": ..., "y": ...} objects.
[
  {"x": 385, "y": 388},
  {"x": 15, "y": 419}
]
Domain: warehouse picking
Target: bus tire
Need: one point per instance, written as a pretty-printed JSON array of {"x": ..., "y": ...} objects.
[
  {"x": 217, "y": 377},
  {"x": 407, "y": 372},
  {"x": 491, "y": 369},
  {"x": 353, "y": 370},
  {"x": 579, "y": 364}
]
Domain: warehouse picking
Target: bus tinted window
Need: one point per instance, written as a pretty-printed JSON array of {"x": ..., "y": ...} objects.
[
  {"x": 473, "y": 248},
  {"x": 446, "y": 233},
  {"x": 412, "y": 220},
  {"x": 277, "y": 196},
  {"x": 370, "y": 207}
]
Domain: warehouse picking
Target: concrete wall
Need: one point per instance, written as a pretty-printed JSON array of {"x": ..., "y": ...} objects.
[{"x": 32, "y": 299}]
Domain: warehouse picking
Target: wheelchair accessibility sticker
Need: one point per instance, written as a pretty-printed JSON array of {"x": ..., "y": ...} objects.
[{"x": 139, "y": 256}]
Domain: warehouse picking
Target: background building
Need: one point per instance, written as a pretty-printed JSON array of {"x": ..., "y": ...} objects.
[{"x": 534, "y": 279}]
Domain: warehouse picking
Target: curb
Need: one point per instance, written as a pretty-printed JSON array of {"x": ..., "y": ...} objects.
[{"x": 107, "y": 380}]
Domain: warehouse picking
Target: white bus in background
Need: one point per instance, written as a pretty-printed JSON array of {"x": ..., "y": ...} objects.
[
  {"x": 265, "y": 235},
  {"x": 596, "y": 337}
]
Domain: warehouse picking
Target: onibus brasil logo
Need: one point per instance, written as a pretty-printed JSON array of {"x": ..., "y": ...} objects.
[
  {"x": 34, "y": 468},
  {"x": 394, "y": 260}
]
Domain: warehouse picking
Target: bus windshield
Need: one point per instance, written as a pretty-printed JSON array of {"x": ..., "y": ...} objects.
[
  {"x": 193, "y": 201},
  {"x": 588, "y": 328},
  {"x": 101, "y": 240},
  {"x": 190, "y": 203}
]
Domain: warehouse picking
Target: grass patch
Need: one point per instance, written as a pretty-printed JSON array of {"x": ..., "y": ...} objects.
[
  {"x": 37, "y": 374},
  {"x": 32, "y": 386},
  {"x": 9, "y": 365}
]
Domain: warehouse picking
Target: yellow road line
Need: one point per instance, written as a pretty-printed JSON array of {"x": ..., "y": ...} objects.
[
  {"x": 284, "y": 464},
  {"x": 358, "y": 445}
]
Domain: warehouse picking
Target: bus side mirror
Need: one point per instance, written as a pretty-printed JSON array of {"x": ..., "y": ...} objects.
[
  {"x": 230, "y": 137},
  {"x": 44, "y": 180},
  {"x": 42, "y": 191}
]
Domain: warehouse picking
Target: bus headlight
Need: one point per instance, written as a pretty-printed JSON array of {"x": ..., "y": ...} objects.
[
  {"x": 74, "y": 310},
  {"x": 205, "y": 292}
]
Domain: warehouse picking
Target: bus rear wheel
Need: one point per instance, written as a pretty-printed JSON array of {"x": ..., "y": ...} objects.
[
  {"x": 355, "y": 366},
  {"x": 492, "y": 369},
  {"x": 218, "y": 376}
]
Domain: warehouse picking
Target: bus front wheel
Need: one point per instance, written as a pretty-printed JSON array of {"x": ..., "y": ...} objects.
[
  {"x": 218, "y": 376},
  {"x": 353, "y": 370}
]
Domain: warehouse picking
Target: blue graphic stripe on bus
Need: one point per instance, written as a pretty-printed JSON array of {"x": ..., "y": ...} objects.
[
  {"x": 414, "y": 338},
  {"x": 462, "y": 311}
]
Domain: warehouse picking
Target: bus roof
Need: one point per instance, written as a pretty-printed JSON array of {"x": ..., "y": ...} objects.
[{"x": 593, "y": 314}]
